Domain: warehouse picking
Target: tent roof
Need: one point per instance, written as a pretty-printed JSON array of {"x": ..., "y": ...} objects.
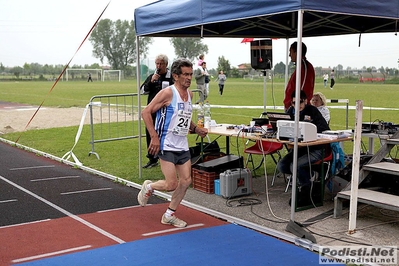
[{"x": 264, "y": 18}]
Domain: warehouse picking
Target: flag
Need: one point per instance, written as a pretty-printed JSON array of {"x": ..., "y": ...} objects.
[{"x": 245, "y": 40}]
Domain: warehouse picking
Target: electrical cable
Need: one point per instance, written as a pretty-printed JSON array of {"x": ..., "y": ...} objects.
[
  {"x": 243, "y": 202},
  {"x": 252, "y": 201},
  {"x": 267, "y": 188}
]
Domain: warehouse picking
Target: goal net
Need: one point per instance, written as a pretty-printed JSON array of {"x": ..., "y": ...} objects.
[
  {"x": 112, "y": 75},
  {"x": 77, "y": 74}
]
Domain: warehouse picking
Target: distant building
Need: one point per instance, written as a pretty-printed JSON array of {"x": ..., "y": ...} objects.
[{"x": 244, "y": 66}]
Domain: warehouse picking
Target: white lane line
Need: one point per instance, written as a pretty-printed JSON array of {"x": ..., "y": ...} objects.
[
  {"x": 54, "y": 178},
  {"x": 32, "y": 167},
  {"x": 45, "y": 255},
  {"x": 17, "y": 107},
  {"x": 29, "y": 109},
  {"x": 85, "y": 191},
  {"x": 21, "y": 224},
  {"x": 122, "y": 208},
  {"x": 71, "y": 215},
  {"x": 172, "y": 230},
  {"x": 7, "y": 201}
]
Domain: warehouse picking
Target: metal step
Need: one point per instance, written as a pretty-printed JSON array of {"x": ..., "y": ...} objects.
[
  {"x": 370, "y": 197},
  {"x": 383, "y": 167},
  {"x": 392, "y": 141}
]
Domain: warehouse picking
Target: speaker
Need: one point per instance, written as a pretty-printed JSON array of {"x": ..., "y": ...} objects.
[{"x": 261, "y": 54}]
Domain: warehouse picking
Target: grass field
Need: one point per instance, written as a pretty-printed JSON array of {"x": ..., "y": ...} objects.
[{"x": 120, "y": 158}]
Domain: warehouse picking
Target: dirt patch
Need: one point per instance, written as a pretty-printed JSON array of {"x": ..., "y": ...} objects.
[
  {"x": 20, "y": 118},
  {"x": 17, "y": 119}
]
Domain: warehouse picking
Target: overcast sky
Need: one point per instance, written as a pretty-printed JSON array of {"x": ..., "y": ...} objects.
[{"x": 50, "y": 31}]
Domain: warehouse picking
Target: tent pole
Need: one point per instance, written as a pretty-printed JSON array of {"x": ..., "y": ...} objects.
[
  {"x": 138, "y": 75},
  {"x": 264, "y": 91},
  {"x": 293, "y": 226},
  {"x": 297, "y": 103}
]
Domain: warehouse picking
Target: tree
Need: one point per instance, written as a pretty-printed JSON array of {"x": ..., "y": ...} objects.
[
  {"x": 340, "y": 69},
  {"x": 188, "y": 48},
  {"x": 279, "y": 68},
  {"x": 26, "y": 69},
  {"x": 224, "y": 64},
  {"x": 116, "y": 42},
  {"x": 319, "y": 71},
  {"x": 16, "y": 71},
  {"x": 234, "y": 72}
]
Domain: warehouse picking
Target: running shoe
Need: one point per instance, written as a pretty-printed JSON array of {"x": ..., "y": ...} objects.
[
  {"x": 144, "y": 193},
  {"x": 173, "y": 220}
]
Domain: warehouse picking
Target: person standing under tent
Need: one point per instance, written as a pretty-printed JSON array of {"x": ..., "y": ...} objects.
[
  {"x": 307, "y": 76},
  {"x": 153, "y": 84},
  {"x": 221, "y": 78},
  {"x": 332, "y": 78},
  {"x": 169, "y": 142},
  {"x": 325, "y": 79}
]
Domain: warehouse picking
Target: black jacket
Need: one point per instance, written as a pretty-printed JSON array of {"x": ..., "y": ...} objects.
[
  {"x": 152, "y": 88},
  {"x": 310, "y": 114}
]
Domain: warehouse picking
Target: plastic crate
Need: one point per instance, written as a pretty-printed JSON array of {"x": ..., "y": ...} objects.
[
  {"x": 217, "y": 187},
  {"x": 204, "y": 181}
]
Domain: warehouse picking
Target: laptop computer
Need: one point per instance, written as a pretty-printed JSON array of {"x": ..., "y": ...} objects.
[{"x": 274, "y": 116}]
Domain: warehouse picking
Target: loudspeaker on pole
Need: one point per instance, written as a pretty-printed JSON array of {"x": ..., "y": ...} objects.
[{"x": 261, "y": 54}]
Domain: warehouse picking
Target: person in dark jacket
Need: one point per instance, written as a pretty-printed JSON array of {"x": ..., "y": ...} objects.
[
  {"x": 153, "y": 84},
  {"x": 306, "y": 155}
]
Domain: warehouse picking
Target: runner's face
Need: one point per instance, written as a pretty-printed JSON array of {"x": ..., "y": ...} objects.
[{"x": 184, "y": 79}]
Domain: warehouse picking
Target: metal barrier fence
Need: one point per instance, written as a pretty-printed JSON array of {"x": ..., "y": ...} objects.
[
  {"x": 112, "y": 118},
  {"x": 347, "y": 106},
  {"x": 115, "y": 117}
]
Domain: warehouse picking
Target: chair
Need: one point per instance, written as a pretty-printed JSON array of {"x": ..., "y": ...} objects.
[
  {"x": 263, "y": 147},
  {"x": 320, "y": 167},
  {"x": 326, "y": 161}
]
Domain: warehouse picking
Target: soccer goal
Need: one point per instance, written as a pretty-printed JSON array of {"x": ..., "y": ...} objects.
[
  {"x": 79, "y": 74},
  {"x": 113, "y": 75}
]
